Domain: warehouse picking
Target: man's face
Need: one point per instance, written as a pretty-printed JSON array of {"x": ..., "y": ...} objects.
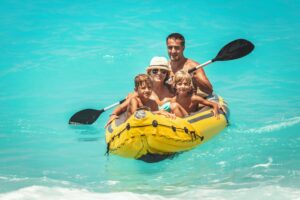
[
  {"x": 144, "y": 90},
  {"x": 175, "y": 49}
]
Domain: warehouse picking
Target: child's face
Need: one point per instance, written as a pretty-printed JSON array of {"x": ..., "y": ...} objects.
[
  {"x": 144, "y": 90},
  {"x": 183, "y": 87}
]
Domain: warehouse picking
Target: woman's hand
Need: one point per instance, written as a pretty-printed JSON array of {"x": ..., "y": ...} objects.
[{"x": 165, "y": 113}]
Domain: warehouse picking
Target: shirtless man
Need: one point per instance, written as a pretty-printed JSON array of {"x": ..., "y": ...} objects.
[{"x": 176, "y": 44}]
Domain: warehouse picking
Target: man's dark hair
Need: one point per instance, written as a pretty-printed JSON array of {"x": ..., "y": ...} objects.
[{"x": 176, "y": 36}]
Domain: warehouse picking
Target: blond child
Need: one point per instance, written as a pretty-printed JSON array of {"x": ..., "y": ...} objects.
[{"x": 185, "y": 102}]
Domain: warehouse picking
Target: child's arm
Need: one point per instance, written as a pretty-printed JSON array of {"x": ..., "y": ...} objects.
[
  {"x": 177, "y": 109},
  {"x": 119, "y": 110},
  {"x": 205, "y": 102},
  {"x": 133, "y": 106}
]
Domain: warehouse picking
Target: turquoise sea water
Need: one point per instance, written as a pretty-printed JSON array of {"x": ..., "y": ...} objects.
[{"x": 58, "y": 57}]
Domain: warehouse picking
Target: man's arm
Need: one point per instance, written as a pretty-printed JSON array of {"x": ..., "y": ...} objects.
[{"x": 200, "y": 78}]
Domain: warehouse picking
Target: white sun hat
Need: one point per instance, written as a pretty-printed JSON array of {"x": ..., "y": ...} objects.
[{"x": 158, "y": 63}]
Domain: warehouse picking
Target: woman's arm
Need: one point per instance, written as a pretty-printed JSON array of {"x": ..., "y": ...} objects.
[{"x": 165, "y": 113}]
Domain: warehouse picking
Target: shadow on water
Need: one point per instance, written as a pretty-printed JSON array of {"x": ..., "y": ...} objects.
[{"x": 87, "y": 133}]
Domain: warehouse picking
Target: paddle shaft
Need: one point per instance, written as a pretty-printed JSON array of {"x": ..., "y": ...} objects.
[
  {"x": 113, "y": 105},
  {"x": 200, "y": 66}
]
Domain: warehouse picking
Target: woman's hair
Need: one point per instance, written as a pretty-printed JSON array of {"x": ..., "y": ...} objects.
[
  {"x": 182, "y": 75},
  {"x": 141, "y": 79}
]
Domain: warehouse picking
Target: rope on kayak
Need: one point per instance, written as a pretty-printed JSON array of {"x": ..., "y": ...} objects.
[{"x": 155, "y": 124}]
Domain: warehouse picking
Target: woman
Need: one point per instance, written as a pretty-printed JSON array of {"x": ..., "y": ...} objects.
[
  {"x": 159, "y": 71},
  {"x": 161, "y": 92}
]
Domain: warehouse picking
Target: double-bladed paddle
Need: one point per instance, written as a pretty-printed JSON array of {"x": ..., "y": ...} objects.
[
  {"x": 233, "y": 50},
  {"x": 89, "y": 116}
]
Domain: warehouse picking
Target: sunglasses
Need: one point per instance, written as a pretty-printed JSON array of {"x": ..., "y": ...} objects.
[{"x": 162, "y": 71}]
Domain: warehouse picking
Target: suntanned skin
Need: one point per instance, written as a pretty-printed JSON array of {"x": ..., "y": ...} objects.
[
  {"x": 143, "y": 99},
  {"x": 160, "y": 90},
  {"x": 179, "y": 62},
  {"x": 160, "y": 94},
  {"x": 140, "y": 98},
  {"x": 185, "y": 102}
]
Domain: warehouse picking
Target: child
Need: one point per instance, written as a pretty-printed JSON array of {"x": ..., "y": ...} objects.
[
  {"x": 143, "y": 89},
  {"x": 185, "y": 102}
]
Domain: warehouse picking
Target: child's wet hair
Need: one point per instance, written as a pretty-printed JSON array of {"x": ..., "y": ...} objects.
[
  {"x": 141, "y": 79},
  {"x": 181, "y": 76}
]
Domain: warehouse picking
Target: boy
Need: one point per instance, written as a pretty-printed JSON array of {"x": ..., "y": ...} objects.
[
  {"x": 185, "y": 102},
  {"x": 143, "y": 88}
]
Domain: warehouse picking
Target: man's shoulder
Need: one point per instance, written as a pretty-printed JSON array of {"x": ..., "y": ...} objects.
[{"x": 190, "y": 63}]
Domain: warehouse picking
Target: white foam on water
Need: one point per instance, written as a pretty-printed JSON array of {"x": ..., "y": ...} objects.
[
  {"x": 108, "y": 58},
  {"x": 59, "y": 193},
  {"x": 13, "y": 179},
  {"x": 274, "y": 127},
  {"x": 265, "y": 165},
  {"x": 257, "y": 193}
]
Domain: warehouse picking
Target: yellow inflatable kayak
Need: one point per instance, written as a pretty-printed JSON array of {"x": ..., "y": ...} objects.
[{"x": 152, "y": 138}]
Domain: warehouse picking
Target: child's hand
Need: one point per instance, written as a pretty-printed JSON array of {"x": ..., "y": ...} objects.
[
  {"x": 112, "y": 117},
  {"x": 216, "y": 112},
  {"x": 223, "y": 109}
]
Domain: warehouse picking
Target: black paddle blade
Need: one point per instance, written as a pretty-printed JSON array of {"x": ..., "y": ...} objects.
[
  {"x": 87, "y": 116},
  {"x": 234, "y": 50}
]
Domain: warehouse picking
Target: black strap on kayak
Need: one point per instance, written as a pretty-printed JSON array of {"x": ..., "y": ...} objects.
[{"x": 155, "y": 124}]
